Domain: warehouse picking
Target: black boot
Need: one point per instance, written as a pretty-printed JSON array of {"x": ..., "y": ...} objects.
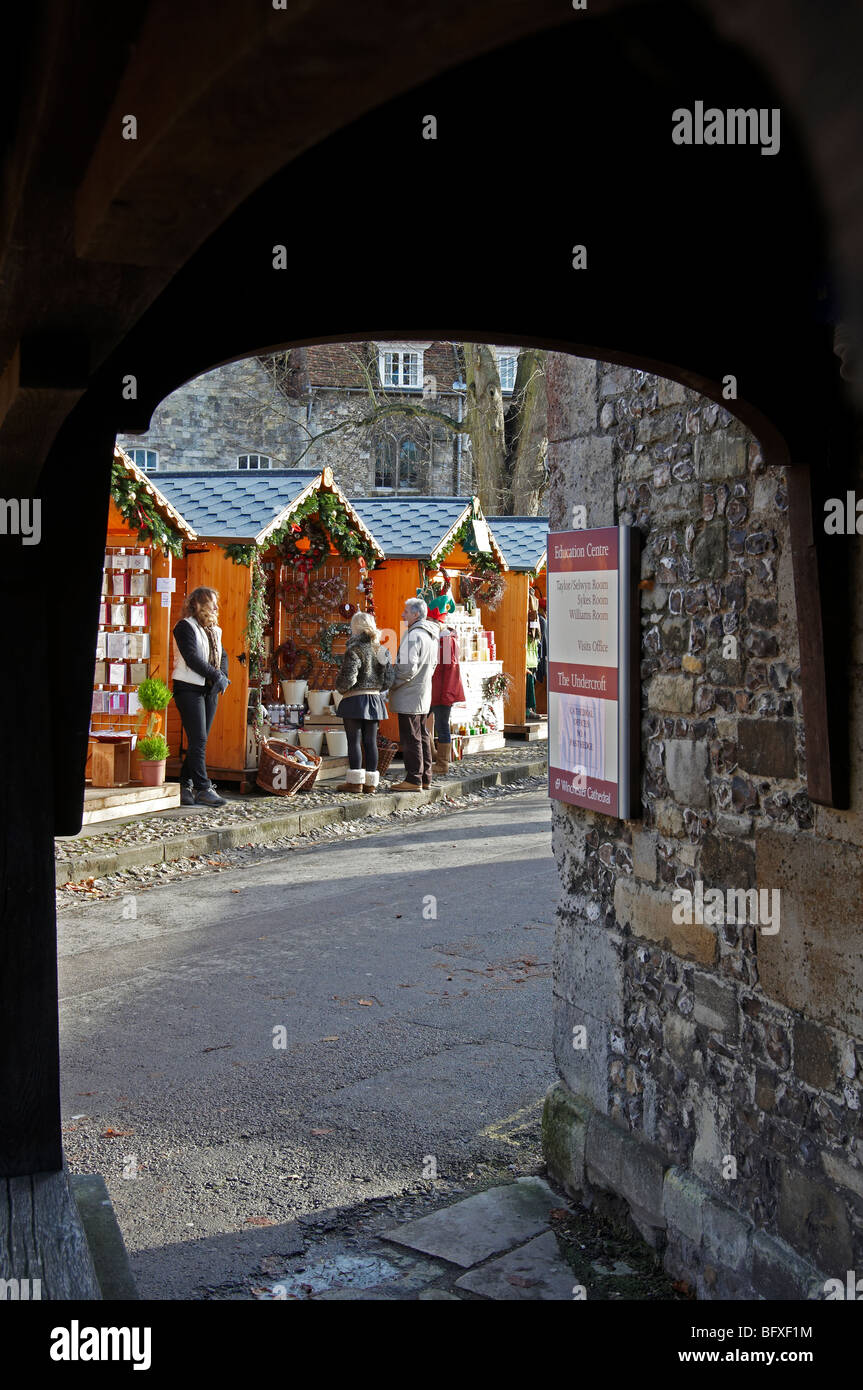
[{"x": 187, "y": 794}]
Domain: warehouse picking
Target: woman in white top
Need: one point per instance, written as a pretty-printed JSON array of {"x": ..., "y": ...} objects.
[{"x": 200, "y": 677}]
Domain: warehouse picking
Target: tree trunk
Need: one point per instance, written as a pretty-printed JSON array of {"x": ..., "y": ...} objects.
[
  {"x": 485, "y": 425},
  {"x": 527, "y": 431}
]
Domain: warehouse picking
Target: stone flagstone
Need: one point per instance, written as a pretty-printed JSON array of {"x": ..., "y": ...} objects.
[
  {"x": 482, "y": 1225},
  {"x": 536, "y": 1270}
]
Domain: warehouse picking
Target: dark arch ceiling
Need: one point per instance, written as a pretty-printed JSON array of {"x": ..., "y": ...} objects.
[{"x": 701, "y": 262}]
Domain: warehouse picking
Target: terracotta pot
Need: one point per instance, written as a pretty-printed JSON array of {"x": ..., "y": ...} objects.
[{"x": 152, "y": 774}]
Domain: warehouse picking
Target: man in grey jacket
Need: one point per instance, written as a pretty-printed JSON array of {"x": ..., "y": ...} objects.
[{"x": 410, "y": 694}]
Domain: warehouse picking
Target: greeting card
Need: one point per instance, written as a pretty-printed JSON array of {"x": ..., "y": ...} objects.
[
  {"x": 119, "y": 614},
  {"x": 120, "y": 582},
  {"x": 138, "y": 671},
  {"x": 139, "y": 584},
  {"x": 118, "y": 673},
  {"x": 100, "y": 673},
  {"x": 117, "y": 645},
  {"x": 138, "y": 614}
]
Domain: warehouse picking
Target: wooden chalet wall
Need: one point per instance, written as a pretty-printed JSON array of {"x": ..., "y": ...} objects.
[
  {"x": 207, "y": 565},
  {"x": 510, "y": 626}
]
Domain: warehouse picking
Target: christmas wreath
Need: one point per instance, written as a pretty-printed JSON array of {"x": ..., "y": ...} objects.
[
  {"x": 329, "y": 633},
  {"x": 486, "y": 589},
  {"x": 294, "y": 664},
  {"x": 330, "y": 591},
  {"x": 305, "y": 547},
  {"x": 497, "y": 687}
]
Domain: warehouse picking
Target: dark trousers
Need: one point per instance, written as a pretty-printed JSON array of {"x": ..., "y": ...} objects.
[
  {"x": 197, "y": 706},
  {"x": 416, "y": 747},
  {"x": 362, "y": 738}
]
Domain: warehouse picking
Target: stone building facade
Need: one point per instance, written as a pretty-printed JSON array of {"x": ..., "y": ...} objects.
[
  {"x": 306, "y": 408},
  {"x": 716, "y": 1101}
]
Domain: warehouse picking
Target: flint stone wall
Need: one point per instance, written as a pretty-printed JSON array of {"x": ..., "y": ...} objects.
[{"x": 718, "y": 1096}]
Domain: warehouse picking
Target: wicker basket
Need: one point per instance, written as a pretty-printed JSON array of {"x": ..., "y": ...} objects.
[
  {"x": 278, "y": 771},
  {"x": 313, "y": 775},
  {"x": 386, "y": 752}
]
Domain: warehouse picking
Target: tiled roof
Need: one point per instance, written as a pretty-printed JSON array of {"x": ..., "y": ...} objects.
[
  {"x": 234, "y": 506},
  {"x": 523, "y": 539},
  {"x": 410, "y": 527}
]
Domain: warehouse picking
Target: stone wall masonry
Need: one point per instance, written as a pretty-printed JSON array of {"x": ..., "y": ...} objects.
[
  {"x": 734, "y": 1053},
  {"x": 207, "y": 423}
]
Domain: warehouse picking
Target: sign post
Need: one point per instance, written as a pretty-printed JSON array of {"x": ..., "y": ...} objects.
[{"x": 593, "y": 695}]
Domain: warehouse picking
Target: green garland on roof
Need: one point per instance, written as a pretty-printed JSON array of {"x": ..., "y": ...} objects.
[
  {"x": 333, "y": 516},
  {"x": 138, "y": 510},
  {"x": 479, "y": 562},
  {"x": 240, "y": 554}
]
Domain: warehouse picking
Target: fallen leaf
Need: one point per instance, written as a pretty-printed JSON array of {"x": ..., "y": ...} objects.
[
  {"x": 398, "y": 914},
  {"x": 334, "y": 1038},
  {"x": 116, "y": 1134},
  {"x": 367, "y": 1002},
  {"x": 219, "y": 1048},
  {"x": 323, "y": 1131},
  {"x": 520, "y": 1282},
  {"x": 259, "y": 1221},
  {"x": 558, "y": 1213}
]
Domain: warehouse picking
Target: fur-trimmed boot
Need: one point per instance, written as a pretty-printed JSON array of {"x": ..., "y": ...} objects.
[
  {"x": 353, "y": 782},
  {"x": 443, "y": 754},
  {"x": 372, "y": 781}
]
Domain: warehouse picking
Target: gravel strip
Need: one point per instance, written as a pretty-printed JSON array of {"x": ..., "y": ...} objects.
[{"x": 93, "y": 841}]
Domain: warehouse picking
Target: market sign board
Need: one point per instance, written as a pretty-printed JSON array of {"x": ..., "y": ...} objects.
[{"x": 593, "y": 702}]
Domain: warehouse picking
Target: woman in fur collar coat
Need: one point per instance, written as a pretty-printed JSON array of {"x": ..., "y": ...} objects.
[{"x": 365, "y": 675}]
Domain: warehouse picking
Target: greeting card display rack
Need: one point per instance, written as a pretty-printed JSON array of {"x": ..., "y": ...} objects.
[{"x": 123, "y": 646}]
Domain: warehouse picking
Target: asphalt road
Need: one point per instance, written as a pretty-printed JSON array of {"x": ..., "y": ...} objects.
[{"x": 307, "y": 1032}]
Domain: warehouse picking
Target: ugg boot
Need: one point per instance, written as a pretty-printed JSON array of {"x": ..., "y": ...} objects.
[
  {"x": 354, "y": 781},
  {"x": 372, "y": 780},
  {"x": 442, "y": 757}
]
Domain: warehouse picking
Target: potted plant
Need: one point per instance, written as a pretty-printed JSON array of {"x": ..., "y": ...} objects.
[
  {"x": 153, "y": 697},
  {"x": 152, "y": 756}
]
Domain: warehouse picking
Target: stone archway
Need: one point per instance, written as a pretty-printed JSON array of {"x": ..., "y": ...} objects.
[{"x": 687, "y": 272}]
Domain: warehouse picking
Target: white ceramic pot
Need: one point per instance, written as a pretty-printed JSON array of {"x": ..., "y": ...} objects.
[
  {"x": 291, "y": 736},
  {"x": 319, "y": 701},
  {"x": 293, "y": 692},
  {"x": 312, "y": 738},
  {"x": 337, "y": 743}
]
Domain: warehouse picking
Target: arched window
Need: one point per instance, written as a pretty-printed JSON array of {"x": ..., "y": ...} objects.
[
  {"x": 409, "y": 464},
  {"x": 252, "y": 461},
  {"x": 384, "y": 463}
]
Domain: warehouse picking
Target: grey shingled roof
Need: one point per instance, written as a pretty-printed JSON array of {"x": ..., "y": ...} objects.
[
  {"x": 409, "y": 527},
  {"x": 235, "y": 506},
  {"x": 523, "y": 539}
]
